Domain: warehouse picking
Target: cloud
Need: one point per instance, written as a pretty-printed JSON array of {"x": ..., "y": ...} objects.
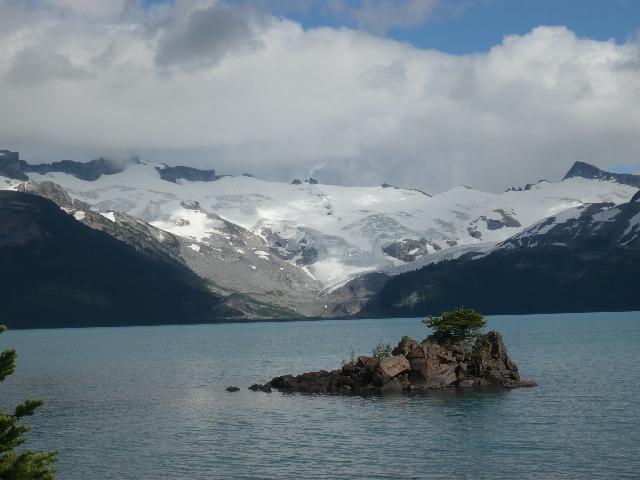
[
  {"x": 269, "y": 97},
  {"x": 205, "y": 35},
  {"x": 31, "y": 66}
]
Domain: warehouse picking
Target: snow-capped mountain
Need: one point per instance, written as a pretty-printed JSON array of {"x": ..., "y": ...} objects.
[
  {"x": 330, "y": 233},
  {"x": 585, "y": 258}
]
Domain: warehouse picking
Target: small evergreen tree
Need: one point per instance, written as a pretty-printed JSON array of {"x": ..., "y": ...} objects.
[
  {"x": 20, "y": 464},
  {"x": 459, "y": 325},
  {"x": 382, "y": 350}
]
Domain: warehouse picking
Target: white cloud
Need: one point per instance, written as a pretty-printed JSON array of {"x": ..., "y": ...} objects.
[{"x": 284, "y": 100}]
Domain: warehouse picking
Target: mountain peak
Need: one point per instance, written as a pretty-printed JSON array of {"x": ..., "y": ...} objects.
[
  {"x": 585, "y": 170},
  {"x": 591, "y": 172}
]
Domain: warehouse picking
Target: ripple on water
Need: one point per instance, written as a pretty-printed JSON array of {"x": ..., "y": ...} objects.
[{"x": 150, "y": 402}]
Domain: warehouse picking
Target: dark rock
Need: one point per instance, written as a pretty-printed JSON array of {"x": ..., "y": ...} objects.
[
  {"x": 406, "y": 345},
  {"x": 312, "y": 181},
  {"x": 256, "y": 387},
  {"x": 80, "y": 205},
  {"x": 474, "y": 233},
  {"x": 636, "y": 197},
  {"x": 521, "y": 384},
  {"x": 10, "y": 165},
  {"x": 409, "y": 249},
  {"x": 506, "y": 221},
  {"x": 173, "y": 174},
  {"x": 368, "y": 363},
  {"x": 491, "y": 360},
  {"x": 309, "y": 256},
  {"x": 233, "y": 389},
  {"x": 585, "y": 170},
  {"x": 88, "y": 171},
  {"x": 296, "y": 181}
]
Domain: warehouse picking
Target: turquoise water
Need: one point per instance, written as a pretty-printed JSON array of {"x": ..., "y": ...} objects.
[{"x": 150, "y": 403}]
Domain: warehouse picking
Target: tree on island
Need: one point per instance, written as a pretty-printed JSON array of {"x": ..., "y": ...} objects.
[
  {"x": 20, "y": 464},
  {"x": 459, "y": 325}
]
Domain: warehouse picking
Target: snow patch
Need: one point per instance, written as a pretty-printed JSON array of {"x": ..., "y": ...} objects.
[
  {"x": 109, "y": 216},
  {"x": 606, "y": 216},
  {"x": 195, "y": 247},
  {"x": 79, "y": 215},
  {"x": 262, "y": 254}
]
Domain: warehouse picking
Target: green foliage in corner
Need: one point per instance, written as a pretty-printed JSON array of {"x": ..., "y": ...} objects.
[
  {"x": 352, "y": 359},
  {"x": 459, "y": 325},
  {"x": 20, "y": 464}
]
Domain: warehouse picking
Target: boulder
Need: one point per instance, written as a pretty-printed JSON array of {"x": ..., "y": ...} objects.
[
  {"x": 368, "y": 363},
  {"x": 256, "y": 387},
  {"x": 416, "y": 353},
  {"x": 491, "y": 361},
  {"x": 406, "y": 345},
  {"x": 392, "y": 366},
  {"x": 232, "y": 389}
]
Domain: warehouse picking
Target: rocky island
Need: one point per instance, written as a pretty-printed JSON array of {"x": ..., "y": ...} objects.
[{"x": 454, "y": 356}]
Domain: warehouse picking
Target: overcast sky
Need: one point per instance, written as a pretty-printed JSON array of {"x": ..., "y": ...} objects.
[{"x": 418, "y": 93}]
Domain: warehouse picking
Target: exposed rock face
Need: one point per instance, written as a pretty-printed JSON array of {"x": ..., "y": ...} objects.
[
  {"x": 409, "y": 249},
  {"x": 413, "y": 367},
  {"x": 50, "y": 190},
  {"x": 506, "y": 221},
  {"x": 585, "y": 170},
  {"x": 173, "y": 174},
  {"x": 88, "y": 171},
  {"x": 10, "y": 165},
  {"x": 353, "y": 295},
  {"x": 636, "y": 197}
]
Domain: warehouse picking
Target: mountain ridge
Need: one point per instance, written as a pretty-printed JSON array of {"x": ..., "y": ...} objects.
[
  {"x": 582, "y": 259},
  {"x": 304, "y": 249}
]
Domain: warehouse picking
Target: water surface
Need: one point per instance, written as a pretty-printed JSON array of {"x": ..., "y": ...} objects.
[{"x": 150, "y": 403}]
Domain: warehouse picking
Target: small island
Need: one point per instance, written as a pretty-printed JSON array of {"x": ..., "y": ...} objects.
[{"x": 455, "y": 355}]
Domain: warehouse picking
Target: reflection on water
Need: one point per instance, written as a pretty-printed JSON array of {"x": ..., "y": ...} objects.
[{"x": 150, "y": 402}]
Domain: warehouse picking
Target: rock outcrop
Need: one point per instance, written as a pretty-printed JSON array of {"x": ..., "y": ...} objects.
[
  {"x": 585, "y": 170},
  {"x": 50, "y": 190},
  {"x": 414, "y": 366},
  {"x": 173, "y": 174}
]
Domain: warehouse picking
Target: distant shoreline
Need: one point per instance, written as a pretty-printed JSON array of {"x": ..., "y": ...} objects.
[{"x": 305, "y": 319}]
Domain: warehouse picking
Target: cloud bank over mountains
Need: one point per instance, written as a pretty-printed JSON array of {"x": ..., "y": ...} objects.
[{"x": 236, "y": 88}]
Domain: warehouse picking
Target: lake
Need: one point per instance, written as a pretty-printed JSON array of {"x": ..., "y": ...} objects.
[{"x": 150, "y": 403}]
